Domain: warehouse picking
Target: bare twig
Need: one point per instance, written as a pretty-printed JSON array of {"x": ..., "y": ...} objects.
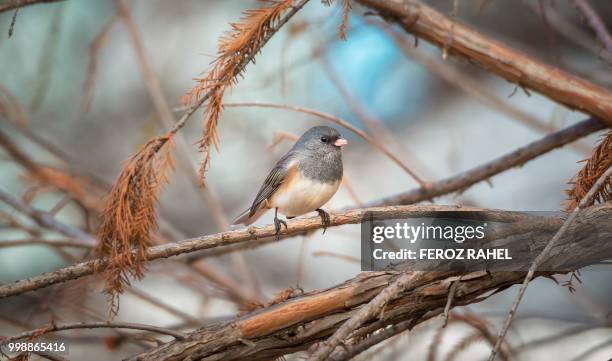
[
  {"x": 92, "y": 69},
  {"x": 171, "y": 310},
  {"x": 13, "y": 21},
  {"x": 572, "y": 32},
  {"x": 374, "y": 307},
  {"x": 345, "y": 257},
  {"x": 46, "y": 220},
  {"x": 80, "y": 325},
  {"x": 380, "y": 146},
  {"x": 595, "y": 22},
  {"x": 16, "y": 4},
  {"x": 538, "y": 260},
  {"x": 520, "y": 156},
  {"x": 449, "y": 301},
  {"x": 45, "y": 242},
  {"x": 374, "y": 126},
  {"x": 351, "y": 351},
  {"x": 516, "y": 67}
]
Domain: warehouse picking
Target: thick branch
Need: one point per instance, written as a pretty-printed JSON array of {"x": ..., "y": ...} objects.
[
  {"x": 516, "y": 67},
  {"x": 299, "y": 322}
]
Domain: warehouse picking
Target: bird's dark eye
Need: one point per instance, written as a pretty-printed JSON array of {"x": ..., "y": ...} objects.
[{"x": 324, "y": 139}]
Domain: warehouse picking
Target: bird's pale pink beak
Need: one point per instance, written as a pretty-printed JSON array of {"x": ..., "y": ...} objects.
[{"x": 340, "y": 142}]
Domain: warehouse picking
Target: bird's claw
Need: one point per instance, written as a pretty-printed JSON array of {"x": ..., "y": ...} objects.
[
  {"x": 325, "y": 218},
  {"x": 277, "y": 226}
]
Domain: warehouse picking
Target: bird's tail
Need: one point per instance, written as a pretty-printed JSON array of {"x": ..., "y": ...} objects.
[{"x": 243, "y": 218}]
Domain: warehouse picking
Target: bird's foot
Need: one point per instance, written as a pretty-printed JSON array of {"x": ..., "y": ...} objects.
[
  {"x": 277, "y": 226},
  {"x": 325, "y": 218}
]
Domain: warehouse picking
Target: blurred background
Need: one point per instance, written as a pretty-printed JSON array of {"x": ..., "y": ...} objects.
[{"x": 64, "y": 112}]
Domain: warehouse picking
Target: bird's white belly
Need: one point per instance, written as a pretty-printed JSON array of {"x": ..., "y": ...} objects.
[{"x": 303, "y": 196}]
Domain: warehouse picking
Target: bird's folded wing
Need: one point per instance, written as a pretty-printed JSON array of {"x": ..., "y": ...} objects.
[{"x": 274, "y": 180}]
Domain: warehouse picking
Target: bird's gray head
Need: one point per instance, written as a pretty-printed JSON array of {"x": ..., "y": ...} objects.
[{"x": 321, "y": 140}]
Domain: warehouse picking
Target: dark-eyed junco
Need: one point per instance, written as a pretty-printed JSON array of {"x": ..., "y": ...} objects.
[{"x": 303, "y": 180}]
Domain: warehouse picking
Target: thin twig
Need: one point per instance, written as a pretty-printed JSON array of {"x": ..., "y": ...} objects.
[
  {"x": 462, "y": 181},
  {"x": 572, "y": 32},
  {"x": 239, "y": 68},
  {"x": 80, "y": 325},
  {"x": 92, "y": 69},
  {"x": 374, "y": 126},
  {"x": 364, "y": 314},
  {"x": 351, "y": 351},
  {"x": 46, "y": 220},
  {"x": 13, "y": 21},
  {"x": 595, "y": 22},
  {"x": 538, "y": 260},
  {"x": 45, "y": 242},
  {"x": 449, "y": 301},
  {"x": 345, "y": 257},
  {"x": 16, "y": 4},
  {"x": 380, "y": 146}
]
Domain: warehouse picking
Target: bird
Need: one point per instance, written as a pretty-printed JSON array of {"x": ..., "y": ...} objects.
[{"x": 302, "y": 181}]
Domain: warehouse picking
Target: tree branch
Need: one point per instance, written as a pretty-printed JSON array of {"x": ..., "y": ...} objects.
[
  {"x": 299, "y": 322},
  {"x": 379, "y": 145},
  {"x": 15, "y": 4},
  {"x": 516, "y": 67},
  {"x": 518, "y": 157},
  {"x": 544, "y": 253},
  {"x": 73, "y": 326},
  {"x": 294, "y": 227},
  {"x": 260, "y": 235},
  {"x": 595, "y": 23},
  {"x": 46, "y": 220}
]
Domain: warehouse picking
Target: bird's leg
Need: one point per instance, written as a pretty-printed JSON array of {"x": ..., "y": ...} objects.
[
  {"x": 325, "y": 218},
  {"x": 277, "y": 223}
]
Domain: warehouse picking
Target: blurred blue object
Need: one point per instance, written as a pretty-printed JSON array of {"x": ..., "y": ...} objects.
[{"x": 378, "y": 74}]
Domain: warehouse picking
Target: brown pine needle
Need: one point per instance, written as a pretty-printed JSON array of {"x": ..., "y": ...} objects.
[
  {"x": 129, "y": 218},
  {"x": 235, "y": 49},
  {"x": 594, "y": 167}
]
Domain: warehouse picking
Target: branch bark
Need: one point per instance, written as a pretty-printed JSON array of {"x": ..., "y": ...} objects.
[
  {"x": 516, "y": 67},
  {"x": 299, "y": 322}
]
